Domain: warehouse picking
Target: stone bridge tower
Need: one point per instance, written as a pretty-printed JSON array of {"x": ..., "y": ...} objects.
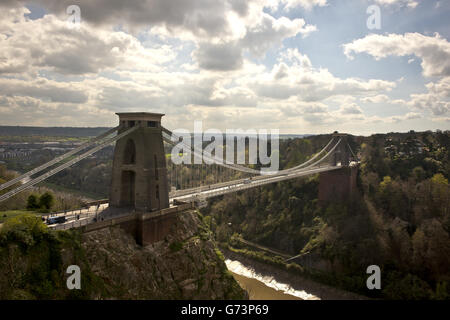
[
  {"x": 341, "y": 153},
  {"x": 139, "y": 174}
]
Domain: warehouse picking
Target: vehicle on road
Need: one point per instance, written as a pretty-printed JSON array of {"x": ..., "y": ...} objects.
[{"x": 56, "y": 220}]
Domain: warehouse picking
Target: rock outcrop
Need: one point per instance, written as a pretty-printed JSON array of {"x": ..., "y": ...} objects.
[{"x": 186, "y": 265}]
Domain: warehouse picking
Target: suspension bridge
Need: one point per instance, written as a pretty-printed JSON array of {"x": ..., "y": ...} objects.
[{"x": 147, "y": 184}]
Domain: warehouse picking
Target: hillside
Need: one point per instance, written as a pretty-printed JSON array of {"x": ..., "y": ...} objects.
[
  {"x": 187, "y": 265},
  {"x": 400, "y": 219},
  {"x": 51, "y": 131}
]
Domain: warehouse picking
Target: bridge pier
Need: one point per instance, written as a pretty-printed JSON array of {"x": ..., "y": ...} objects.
[
  {"x": 153, "y": 227},
  {"x": 337, "y": 185}
]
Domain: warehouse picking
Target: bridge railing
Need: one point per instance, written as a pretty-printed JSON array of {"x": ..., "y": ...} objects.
[
  {"x": 74, "y": 224},
  {"x": 86, "y": 206}
]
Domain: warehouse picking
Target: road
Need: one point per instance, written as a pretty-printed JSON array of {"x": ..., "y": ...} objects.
[{"x": 79, "y": 217}]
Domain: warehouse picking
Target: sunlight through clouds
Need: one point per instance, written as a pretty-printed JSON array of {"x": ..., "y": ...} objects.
[{"x": 260, "y": 61}]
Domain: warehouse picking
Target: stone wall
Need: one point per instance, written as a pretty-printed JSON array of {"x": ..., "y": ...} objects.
[{"x": 145, "y": 227}]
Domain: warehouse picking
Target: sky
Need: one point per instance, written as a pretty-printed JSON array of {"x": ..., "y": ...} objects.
[{"x": 300, "y": 66}]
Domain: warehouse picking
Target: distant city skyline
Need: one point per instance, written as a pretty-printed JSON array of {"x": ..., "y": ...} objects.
[{"x": 300, "y": 66}]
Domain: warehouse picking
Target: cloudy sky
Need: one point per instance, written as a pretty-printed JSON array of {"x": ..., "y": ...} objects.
[{"x": 301, "y": 66}]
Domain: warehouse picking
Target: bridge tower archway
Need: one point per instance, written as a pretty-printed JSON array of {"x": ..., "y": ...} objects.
[
  {"x": 139, "y": 175},
  {"x": 342, "y": 153},
  {"x": 128, "y": 188},
  {"x": 129, "y": 155}
]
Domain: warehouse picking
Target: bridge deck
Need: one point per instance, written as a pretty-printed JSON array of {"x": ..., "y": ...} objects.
[{"x": 102, "y": 212}]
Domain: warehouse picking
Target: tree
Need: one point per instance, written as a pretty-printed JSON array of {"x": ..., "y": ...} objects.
[
  {"x": 385, "y": 183},
  {"x": 418, "y": 174},
  {"x": 440, "y": 194},
  {"x": 24, "y": 229},
  {"x": 46, "y": 201},
  {"x": 442, "y": 291},
  {"x": 385, "y": 192},
  {"x": 439, "y": 179},
  {"x": 32, "y": 202},
  {"x": 3, "y": 171}
]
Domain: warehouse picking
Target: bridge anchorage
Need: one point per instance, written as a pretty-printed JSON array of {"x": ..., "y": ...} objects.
[{"x": 140, "y": 201}]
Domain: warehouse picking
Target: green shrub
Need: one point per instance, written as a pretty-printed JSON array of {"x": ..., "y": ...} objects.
[
  {"x": 219, "y": 254},
  {"x": 46, "y": 201},
  {"x": 176, "y": 246},
  {"x": 32, "y": 202}
]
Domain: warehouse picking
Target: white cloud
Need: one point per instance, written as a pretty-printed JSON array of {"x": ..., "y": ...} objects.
[
  {"x": 50, "y": 44},
  {"x": 436, "y": 100},
  {"x": 413, "y": 115},
  {"x": 309, "y": 84},
  {"x": 219, "y": 57},
  {"x": 434, "y": 51},
  {"x": 441, "y": 119},
  {"x": 294, "y": 56},
  {"x": 399, "y": 3},
  {"x": 429, "y": 101},
  {"x": 408, "y": 116},
  {"x": 306, "y": 4},
  {"x": 381, "y": 98},
  {"x": 47, "y": 90},
  {"x": 257, "y": 39},
  {"x": 350, "y": 109},
  {"x": 270, "y": 31},
  {"x": 200, "y": 17}
]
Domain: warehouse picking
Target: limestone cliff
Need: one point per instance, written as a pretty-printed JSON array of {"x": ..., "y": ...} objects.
[{"x": 187, "y": 265}]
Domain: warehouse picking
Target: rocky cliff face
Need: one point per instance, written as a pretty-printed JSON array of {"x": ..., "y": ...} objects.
[{"x": 186, "y": 265}]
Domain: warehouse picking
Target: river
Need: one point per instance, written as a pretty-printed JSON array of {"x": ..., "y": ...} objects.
[
  {"x": 263, "y": 281},
  {"x": 263, "y": 287}
]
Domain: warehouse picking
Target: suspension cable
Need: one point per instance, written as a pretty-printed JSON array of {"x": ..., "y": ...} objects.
[
  {"x": 58, "y": 159},
  {"x": 238, "y": 167},
  {"x": 65, "y": 165}
]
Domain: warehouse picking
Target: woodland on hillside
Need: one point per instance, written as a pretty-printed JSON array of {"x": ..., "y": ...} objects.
[{"x": 400, "y": 219}]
